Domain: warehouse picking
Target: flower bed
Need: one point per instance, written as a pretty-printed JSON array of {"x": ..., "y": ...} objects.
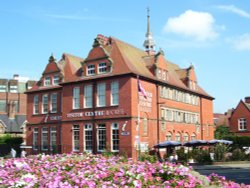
[{"x": 74, "y": 170}]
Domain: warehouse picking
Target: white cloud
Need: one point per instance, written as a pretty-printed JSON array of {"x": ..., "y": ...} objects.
[
  {"x": 234, "y": 9},
  {"x": 240, "y": 42},
  {"x": 198, "y": 25}
]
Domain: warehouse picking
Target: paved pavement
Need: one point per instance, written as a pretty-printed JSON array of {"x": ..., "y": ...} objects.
[{"x": 235, "y": 171}]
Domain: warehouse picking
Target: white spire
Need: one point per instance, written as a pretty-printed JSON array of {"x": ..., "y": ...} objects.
[{"x": 149, "y": 42}]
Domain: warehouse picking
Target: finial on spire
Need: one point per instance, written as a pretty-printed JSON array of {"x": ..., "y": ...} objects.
[
  {"x": 52, "y": 58},
  {"x": 149, "y": 42}
]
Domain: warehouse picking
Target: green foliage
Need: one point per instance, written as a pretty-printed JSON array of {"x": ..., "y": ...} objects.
[
  {"x": 107, "y": 153},
  {"x": 182, "y": 156},
  {"x": 8, "y": 139},
  {"x": 4, "y": 138},
  {"x": 239, "y": 141},
  {"x": 238, "y": 155},
  {"x": 203, "y": 157},
  {"x": 221, "y": 132},
  {"x": 146, "y": 157},
  {"x": 12, "y": 141},
  {"x": 220, "y": 151}
]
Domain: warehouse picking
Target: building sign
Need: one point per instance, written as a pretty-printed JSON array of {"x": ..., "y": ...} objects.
[
  {"x": 125, "y": 133},
  {"x": 55, "y": 118},
  {"x": 52, "y": 118},
  {"x": 96, "y": 113},
  {"x": 145, "y": 103}
]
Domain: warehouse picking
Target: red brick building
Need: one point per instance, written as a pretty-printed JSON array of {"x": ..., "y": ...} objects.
[
  {"x": 13, "y": 103},
  {"x": 92, "y": 104},
  {"x": 240, "y": 118},
  {"x": 223, "y": 119}
]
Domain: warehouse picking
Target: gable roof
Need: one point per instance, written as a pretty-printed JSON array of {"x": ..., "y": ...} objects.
[
  {"x": 246, "y": 105},
  {"x": 69, "y": 67},
  {"x": 125, "y": 59},
  {"x": 13, "y": 125}
]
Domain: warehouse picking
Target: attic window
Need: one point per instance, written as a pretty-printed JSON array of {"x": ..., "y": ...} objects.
[
  {"x": 13, "y": 88},
  {"x": 56, "y": 80},
  {"x": 90, "y": 69},
  {"x": 47, "y": 81},
  {"x": 192, "y": 85},
  {"x": 3, "y": 88},
  {"x": 102, "y": 68}
]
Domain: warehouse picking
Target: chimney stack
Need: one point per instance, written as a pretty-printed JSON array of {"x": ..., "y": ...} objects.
[
  {"x": 12, "y": 109},
  {"x": 247, "y": 100},
  {"x": 15, "y": 76}
]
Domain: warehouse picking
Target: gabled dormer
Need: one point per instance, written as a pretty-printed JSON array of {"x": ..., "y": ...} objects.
[
  {"x": 98, "y": 61},
  {"x": 160, "y": 66},
  {"x": 188, "y": 77},
  {"x": 52, "y": 73},
  {"x": 191, "y": 78}
]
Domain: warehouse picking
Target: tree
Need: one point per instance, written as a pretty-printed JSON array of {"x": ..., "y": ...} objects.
[{"x": 221, "y": 132}]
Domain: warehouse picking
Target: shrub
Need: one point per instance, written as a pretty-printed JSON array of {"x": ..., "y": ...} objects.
[
  {"x": 238, "y": 155},
  {"x": 182, "y": 156},
  {"x": 239, "y": 141},
  {"x": 203, "y": 157},
  {"x": 220, "y": 151},
  {"x": 146, "y": 157}
]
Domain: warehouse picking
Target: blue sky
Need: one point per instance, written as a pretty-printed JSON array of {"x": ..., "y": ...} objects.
[{"x": 213, "y": 35}]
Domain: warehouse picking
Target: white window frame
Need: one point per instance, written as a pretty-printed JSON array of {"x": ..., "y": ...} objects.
[
  {"x": 53, "y": 103},
  {"x": 193, "y": 136},
  {"x": 185, "y": 137},
  {"x": 88, "y": 138},
  {"x": 53, "y": 136},
  {"x": 56, "y": 79},
  {"x": 115, "y": 139},
  {"x": 76, "y": 138},
  {"x": 35, "y": 138},
  {"x": 101, "y": 137},
  {"x": 3, "y": 88},
  {"x": 88, "y": 96},
  {"x": 102, "y": 68},
  {"x": 242, "y": 124},
  {"x": 13, "y": 88},
  {"x": 45, "y": 103},
  {"x": 44, "y": 139},
  {"x": 168, "y": 136},
  {"x": 76, "y": 98},
  {"x": 47, "y": 81},
  {"x": 114, "y": 93},
  {"x": 101, "y": 94},
  {"x": 90, "y": 69},
  {"x": 178, "y": 137}
]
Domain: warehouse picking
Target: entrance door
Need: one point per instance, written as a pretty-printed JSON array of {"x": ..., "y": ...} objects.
[{"x": 101, "y": 137}]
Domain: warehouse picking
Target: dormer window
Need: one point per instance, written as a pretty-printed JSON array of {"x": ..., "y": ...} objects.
[
  {"x": 13, "y": 88},
  {"x": 3, "y": 88},
  {"x": 192, "y": 85},
  {"x": 102, "y": 68},
  {"x": 91, "y": 70},
  {"x": 56, "y": 80},
  {"x": 47, "y": 81}
]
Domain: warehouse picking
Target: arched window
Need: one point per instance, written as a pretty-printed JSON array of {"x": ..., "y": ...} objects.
[
  {"x": 178, "y": 137},
  {"x": 169, "y": 136},
  {"x": 185, "y": 137},
  {"x": 193, "y": 136}
]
